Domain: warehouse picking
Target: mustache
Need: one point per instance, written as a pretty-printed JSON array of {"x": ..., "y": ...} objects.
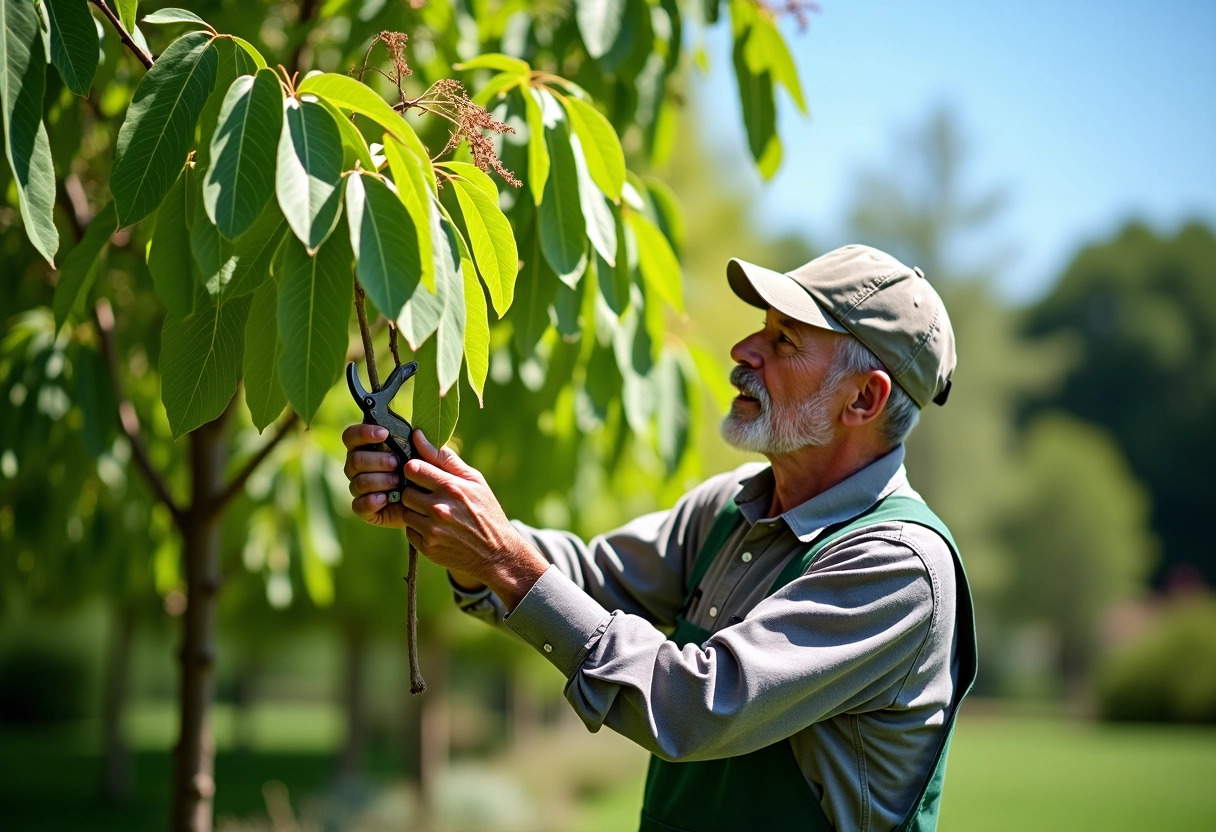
[{"x": 748, "y": 382}]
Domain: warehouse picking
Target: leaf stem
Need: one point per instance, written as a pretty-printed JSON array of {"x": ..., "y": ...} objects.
[{"x": 124, "y": 35}]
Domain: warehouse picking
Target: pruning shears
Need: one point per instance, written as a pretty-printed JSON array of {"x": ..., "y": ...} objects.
[{"x": 376, "y": 411}]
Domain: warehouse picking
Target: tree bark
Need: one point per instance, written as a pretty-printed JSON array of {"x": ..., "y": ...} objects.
[
  {"x": 194, "y": 775},
  {"x": 354, "y": 703},
  {"x": 116, "y": 762}
]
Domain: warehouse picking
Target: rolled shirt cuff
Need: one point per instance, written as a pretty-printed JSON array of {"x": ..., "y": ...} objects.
[{"x": 560, "y": 620}]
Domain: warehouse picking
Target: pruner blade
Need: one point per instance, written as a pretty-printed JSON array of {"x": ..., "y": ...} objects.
[{"x": 376, "y": 411}]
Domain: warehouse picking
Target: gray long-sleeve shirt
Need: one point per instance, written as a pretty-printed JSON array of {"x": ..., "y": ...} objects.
[{"x": 854, "y": 661}]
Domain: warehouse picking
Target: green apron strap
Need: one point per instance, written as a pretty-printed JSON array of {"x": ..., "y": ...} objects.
[{"x": 724, "y": 524}]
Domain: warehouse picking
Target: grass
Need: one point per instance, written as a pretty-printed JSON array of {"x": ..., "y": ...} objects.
[{"x": 1005, "y": 773}]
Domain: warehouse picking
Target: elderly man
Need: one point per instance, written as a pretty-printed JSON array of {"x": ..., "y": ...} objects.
[{"x": 791, "y": 641}]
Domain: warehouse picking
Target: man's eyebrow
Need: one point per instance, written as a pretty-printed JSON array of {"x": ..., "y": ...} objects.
[{"x": 788, "y": 322}]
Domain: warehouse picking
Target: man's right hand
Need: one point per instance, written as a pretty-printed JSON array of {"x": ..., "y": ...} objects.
[{"x": 371, "y": 474}]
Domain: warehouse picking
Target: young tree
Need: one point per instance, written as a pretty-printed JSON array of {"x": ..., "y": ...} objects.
[{"x": 254, "y": 194}]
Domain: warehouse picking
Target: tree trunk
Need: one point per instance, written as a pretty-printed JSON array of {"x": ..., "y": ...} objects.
[
  {"x": 354, "y": 703},
  {"x": 116, "y": 762},
  {"x": 194, "y": 775}
]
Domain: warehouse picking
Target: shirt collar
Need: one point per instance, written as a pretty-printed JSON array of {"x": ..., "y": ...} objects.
[{"x": 843, "y": 501}]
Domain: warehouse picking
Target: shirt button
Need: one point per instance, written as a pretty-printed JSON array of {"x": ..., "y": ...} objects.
[
  {"x": 548, "y": 648},
  {"x": 713, "y": 612},
  {"x": 746, "y": 557}
]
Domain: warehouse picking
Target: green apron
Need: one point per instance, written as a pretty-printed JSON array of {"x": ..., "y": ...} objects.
[{"x": 765, "y": 789}]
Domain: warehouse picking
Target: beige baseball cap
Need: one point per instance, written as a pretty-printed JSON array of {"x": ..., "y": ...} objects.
[{"x": 867, "y": 293}]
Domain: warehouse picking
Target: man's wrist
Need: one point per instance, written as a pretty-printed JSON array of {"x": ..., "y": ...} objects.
[{"x": 511, "y": 576}]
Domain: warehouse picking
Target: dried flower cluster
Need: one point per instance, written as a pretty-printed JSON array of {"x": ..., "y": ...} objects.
[
  {"x": 395, "y": 43},
  {"x": 448, "y": 99}
]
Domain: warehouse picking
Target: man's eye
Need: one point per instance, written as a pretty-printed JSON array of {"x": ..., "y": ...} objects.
[{"x": 785, "y": 339}]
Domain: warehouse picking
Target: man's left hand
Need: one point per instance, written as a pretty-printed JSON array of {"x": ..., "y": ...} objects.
[{"x": 460, "y": 525}]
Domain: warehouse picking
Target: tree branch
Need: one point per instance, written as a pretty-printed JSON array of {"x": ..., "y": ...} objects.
[
  {"x": 238, "y": 482},
  {"x": 123, "y": 34},
  {"x": 128, "y": 420}
]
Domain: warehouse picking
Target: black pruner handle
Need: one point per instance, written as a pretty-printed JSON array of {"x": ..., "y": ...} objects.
[{"x": 375, "y": 407}]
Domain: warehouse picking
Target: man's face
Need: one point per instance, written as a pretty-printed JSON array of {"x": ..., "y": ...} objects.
[{"x": 780, "y": 372}]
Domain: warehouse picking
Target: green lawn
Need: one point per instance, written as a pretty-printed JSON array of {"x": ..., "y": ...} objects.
[{"x": 1006, "y": 773}]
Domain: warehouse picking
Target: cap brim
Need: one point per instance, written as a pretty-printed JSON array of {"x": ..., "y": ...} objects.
[{"x": 764, "y": 288}]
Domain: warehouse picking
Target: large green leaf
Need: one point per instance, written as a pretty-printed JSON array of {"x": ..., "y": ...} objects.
[
  {"x": 231, "y": 62},
  {"x": 255, "y": 249},
  {"x": 308, "y": 179},
  {"x": 315, "y": 301},
  {"x": 172, "y": 15},
  {"x": 601, "y": 147},
  {"x": 385, "y": 242},
  {"x": 614, "y": 281},
  {"x": 538, "y": 151},
  {"x": 492, "y": 241},
  {"x": 214, "y": 255},
  {"x": 22, "y": 83},
  {"x": 200, "y": 362},
  {"x": 354, "y": 146},
  {"x": 126, "y": 13},
  {"x": 563, "y": 232},
  {"x": 673, "y": 390},
  {"x": 599, "y": 24},
  {"x": 159, "y": 128},
  {"x": 449, "y": 335},
  {"x": 537, "y": 286},
  {"x": 240, "y": 180},
  {"x": 415, "y": 194},
  {"x": 597, "y": 210},
  {"x": 766, "y": 51},
  {"x": 263, "y": 393},
  {"x": 349, "y": 94},
  {"x": 494, "y": 60},
  {"x": 656, "y": 260},
  {"x": 81, "y": 266},
  {"x": 169, "y": 257},
  {"x": 669, "y": 211},
  {"x": 759, "y": 111},
  {"x": 435, "y": 415},
  {"x": 73, "y": 43}
]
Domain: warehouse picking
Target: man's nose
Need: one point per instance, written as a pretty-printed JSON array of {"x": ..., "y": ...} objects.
[{"x": 746, "y": 351}]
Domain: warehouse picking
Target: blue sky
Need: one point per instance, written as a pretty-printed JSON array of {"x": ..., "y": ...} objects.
[{"x": 1086, "y": 114}]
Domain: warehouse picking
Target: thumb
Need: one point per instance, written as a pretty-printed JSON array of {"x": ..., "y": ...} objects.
[{"x": 443, "y": 458}]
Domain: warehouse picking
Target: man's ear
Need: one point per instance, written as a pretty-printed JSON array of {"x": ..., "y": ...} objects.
[{"x": 870, "y": 394}]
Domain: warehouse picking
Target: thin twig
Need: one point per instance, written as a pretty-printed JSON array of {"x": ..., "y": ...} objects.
[
  {"x": 365, "y": 332},
  {"x": 128, "y": 420},
  {"x": 123, "y": 34},
  {"x": 392, "y": 343},
  {"x": 238, "y": 482}
]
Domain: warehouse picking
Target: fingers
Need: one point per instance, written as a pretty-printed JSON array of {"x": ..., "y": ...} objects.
[
  {"x": 366, "y": 462},
  {"x": 361, "y": 484},
  {"x": 419, "y": 501},
  {"x": 427, "y": 475},
  {"x": 369, "y": 506},
  {"x": 444, "y": 458},
  {"x": 361, "y": 434}
]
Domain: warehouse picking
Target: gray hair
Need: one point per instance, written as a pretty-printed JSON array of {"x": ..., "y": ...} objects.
[{"x": 901, "y": 412}]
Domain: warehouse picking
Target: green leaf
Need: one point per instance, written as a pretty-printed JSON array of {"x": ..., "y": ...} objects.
[
  {"x": 599, "y": 24},
  {"x": 492, "y": 241},
  {"x": 759, "y": 111},
  {"x": 669, "y": 211},
  {"x": 449, "y": 335},
  {"x": 159, "y": 128},
  {"x": 657, "y": 261},
  {"x": 175, "y": 16},
  {"x": 347, "y": 93},
  {"x": 766, "y": 51},
  {"x": 476, "y": 326},
  {"x": 315, "y": 301},
  {"x": 126, "y": 13},
  {"x": 385, "y": 243},
  {"x": 498, "y": 85},
  {"x": 538, "y": 151},
  {"x": 82, "y": 265},
  {"x": 255, "y": 250},
  {"x": 601, "y": 147},
  {"x": 200, "y": 363},
  {"x": 251, "y": 51},
  {"x": 263, "y": 394},
  {"x": 597, "y": 210},
  {"x": 614, "y": 281},
  {"x": 95, "y": 397},
  {"x": 73, "y": 43},
  {"x": 231, "y": 62},
  {"x": 354, "y": 146},
  {"x": 240, "y": 180},
  {"x": 22, "y": 83},
  {"x": 412, "y": 190},
  {"x": 537, "y": 288},
  {"x": 563, "y": 232},
  {"x": 494, "y": 60},
  {"x": 475, "y": 176},
  {"x": 308, "y": 179},
  {"x": 434, "y": 415},
  {"x": 214, "y": 255},
  {"x": 169, "y": 257}
]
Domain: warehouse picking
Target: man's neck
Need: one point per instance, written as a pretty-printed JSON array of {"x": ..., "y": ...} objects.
[{"x": 810, "y": 471}]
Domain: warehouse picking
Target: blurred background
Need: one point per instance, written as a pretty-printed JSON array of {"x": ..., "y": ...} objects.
[{"x": 1049, "y": 166}]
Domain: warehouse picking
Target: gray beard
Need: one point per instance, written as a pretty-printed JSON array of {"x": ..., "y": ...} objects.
[{"x": 774, "y": 434}]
